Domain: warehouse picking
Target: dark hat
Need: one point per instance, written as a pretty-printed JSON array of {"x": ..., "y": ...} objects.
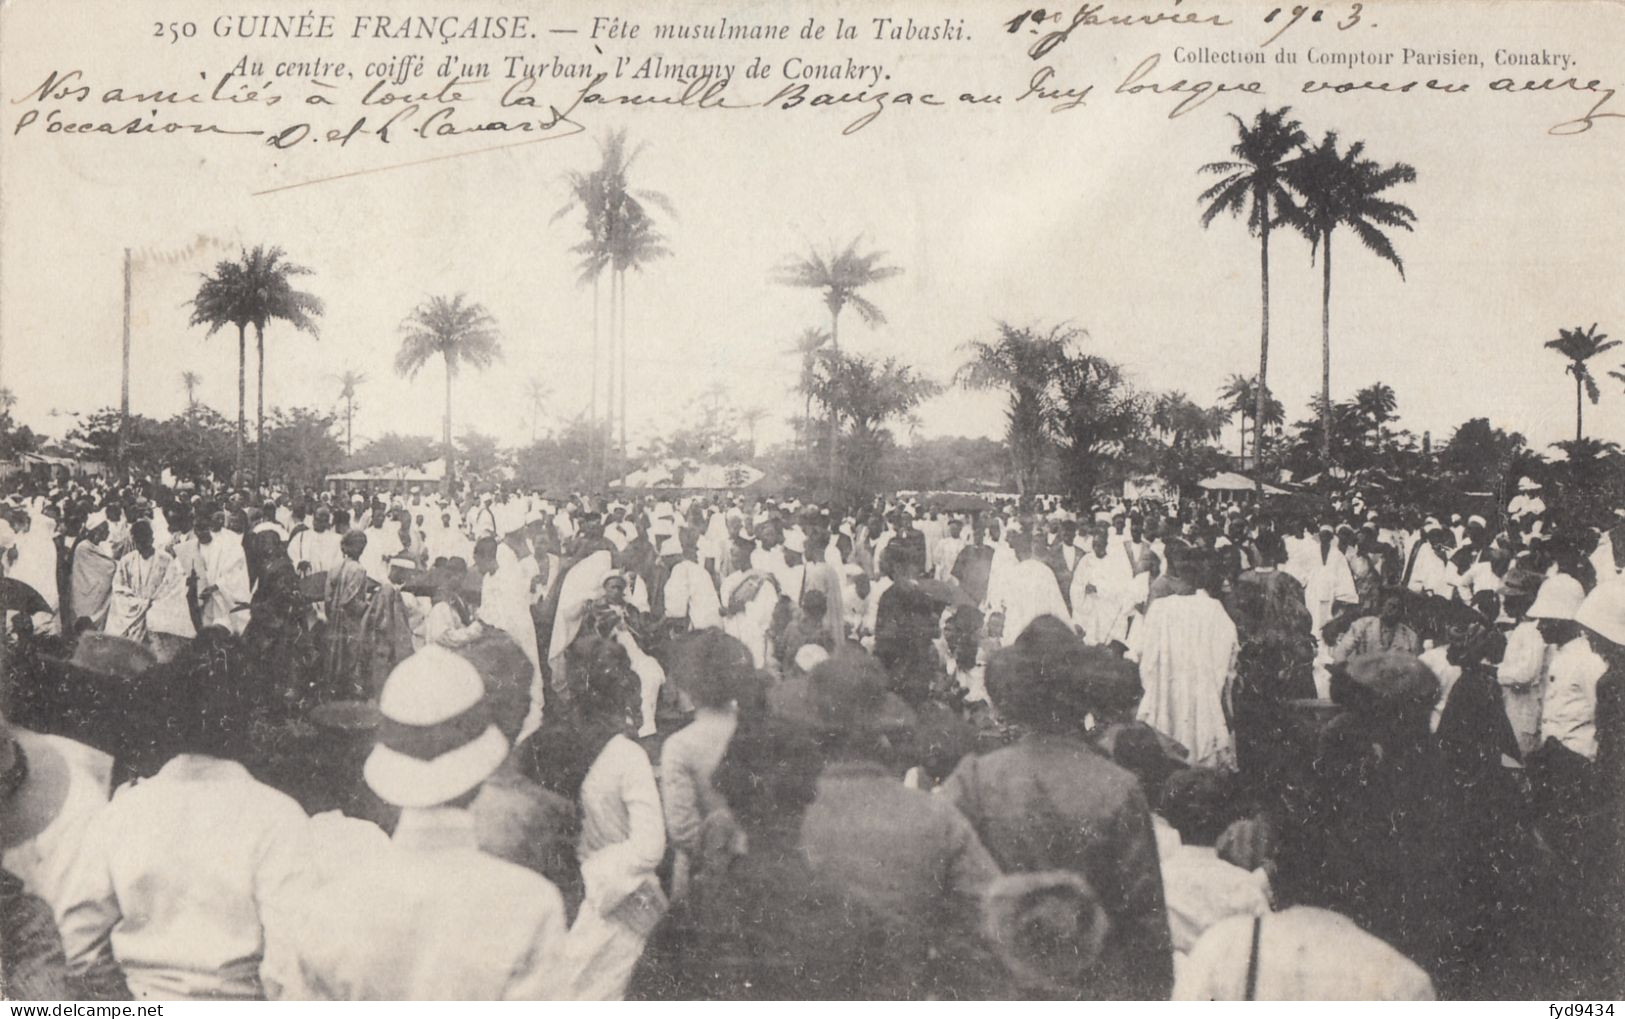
[
  {"x": 845, "y": 693},
  {"x": 1048, "y": 676},
  {"x": 1047, "y": 927},
  {"x": 1521, "y": 580}
]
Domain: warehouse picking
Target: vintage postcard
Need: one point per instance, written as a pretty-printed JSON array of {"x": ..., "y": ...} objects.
[{"x": 823, "y": 499}]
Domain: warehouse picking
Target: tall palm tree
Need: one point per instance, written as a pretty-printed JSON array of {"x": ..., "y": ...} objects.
[
  {"x": 634, "y": 245},
  {"x": 254, "y": 290},
  {"x": 753, "y": 416},
  {"x": 841, "y": 276},
  {"x": 1579, "y": 346},
  {"x": 224, "y": 299},
  {"x": 1021, "y": 362},
  {"x": 1344, "y": 189},
  {"x": 620, "y": 236},
  {"x": 537, "y": 393},
  {"x": 460, "y": 332},
  {"x": 190, "y": 380},
  {"x": 1254, "y": 182},
  {"x": 806, "y": 347},
  {"x": 349, "y": 381}
]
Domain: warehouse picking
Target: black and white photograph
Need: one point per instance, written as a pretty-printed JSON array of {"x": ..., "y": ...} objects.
[{"x": 812, "y": 501}]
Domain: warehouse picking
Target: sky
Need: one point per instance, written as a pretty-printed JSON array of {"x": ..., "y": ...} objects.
[{"x": 1087, "y": 216}]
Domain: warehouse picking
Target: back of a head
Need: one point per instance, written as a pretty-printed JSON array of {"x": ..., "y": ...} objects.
[
  {"x": 1197, "y": 802},
  {"x": 507, "y": 674},
  {"x": 712, "y": 668},
  {"x": 769, "y": 773}
]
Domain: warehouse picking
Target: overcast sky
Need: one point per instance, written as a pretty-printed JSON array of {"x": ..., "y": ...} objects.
[{"x": 1087, "y": 216}]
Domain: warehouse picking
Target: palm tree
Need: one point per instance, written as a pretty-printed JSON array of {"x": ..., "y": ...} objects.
[
  {"x": 190, "y": 380},
  {"x": 753, "y": 416},
  {"x": 460, "y": 332},
  {"x": 537, "y": 394},
  {"x": 254, "y": 290},
  {"x": 807, "y": 346},
  {"x": 1376, "y": 404},
  {"x": 224, "y": 299},
  {"x": 1255, "y": 182},
  {"x": 1239, "y": 398},
  {"x": 620, "y": 236},
  {"x": 1579, "y": 346},
  {"x": 633, "y": 246},
  {"x": 841, "y": 276},
  {"x": 1023, "y": 363},
  {"x": 349, "y": 381},
  {"x": 1344, "y": 189}
]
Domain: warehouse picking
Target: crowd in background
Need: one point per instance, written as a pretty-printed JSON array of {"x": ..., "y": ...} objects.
[{"x": 403, "y": 745}]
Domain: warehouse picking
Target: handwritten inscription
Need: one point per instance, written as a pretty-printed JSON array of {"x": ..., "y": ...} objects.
[{"x": 1196, "y": 55}]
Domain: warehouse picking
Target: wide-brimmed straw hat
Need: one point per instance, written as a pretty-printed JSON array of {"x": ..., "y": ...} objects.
[{"x": 436, "y": 738}]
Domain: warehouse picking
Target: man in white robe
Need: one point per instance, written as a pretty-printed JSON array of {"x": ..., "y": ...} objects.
[
  {"x": 1103, "y": 589},
  {"x": 222, "y": 577},
  {"x": 1186, "y": 647},
  {"x": 505, "y": 605},
  {"x": 1025, "y": 590},
  {"x": 35, "y": 565},
  {"x": 1330, "y": 582},
  {"x": 149, "y": 597},
  {"x": 317, "y": 544},
  {"x": 689, "y": 592}
]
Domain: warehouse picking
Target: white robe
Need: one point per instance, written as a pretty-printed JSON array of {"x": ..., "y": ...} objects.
[
  {"x": 318, "y": 548},
  {"x": 220, "y": 565},
  {"x": 1187, "y": 649},
  {"x": 1103, "y": 614},
  {"x": 36, "y": 567},
  {"x": 1027, "y": 590},
  {"x": 149, "y": 595},
  {"x": 1329, "y": 581},
  {"x": 690, "y": 594},
  {"x": 505, "y": 604},
  {"x": 750, "y": 626}
]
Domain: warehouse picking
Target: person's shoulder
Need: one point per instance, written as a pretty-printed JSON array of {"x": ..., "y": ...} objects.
[
  {"x": 624, "y": 751},
  {"x": 523, "y": 890}
]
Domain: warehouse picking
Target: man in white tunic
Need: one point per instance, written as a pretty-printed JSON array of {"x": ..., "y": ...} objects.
[
  {"x": 222, "y": 576},
  {"x": 1102, "y": 592},
  {"x": 1025, "y": 590},
  {"x": 1187, "y": 647}
]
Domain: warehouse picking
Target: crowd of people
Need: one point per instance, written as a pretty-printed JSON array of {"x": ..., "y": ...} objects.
[{"x": 413, "y": 745}]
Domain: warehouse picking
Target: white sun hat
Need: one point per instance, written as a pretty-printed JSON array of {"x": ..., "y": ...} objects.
[
  {"x": 436, "y": 740},
  {"x": 1603, "y": 611},
  {"x": 1559, "y": 597}
]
